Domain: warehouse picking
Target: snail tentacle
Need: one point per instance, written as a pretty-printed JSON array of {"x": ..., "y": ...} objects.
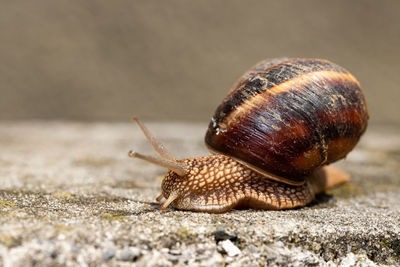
[
  {"x": 172, "y": 165},
  {"x": 169, "y": 200},
  {"x": 157, "y": 145}
]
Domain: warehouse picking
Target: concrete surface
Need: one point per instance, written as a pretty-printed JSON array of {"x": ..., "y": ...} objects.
[{"x": 69, "y": 195}]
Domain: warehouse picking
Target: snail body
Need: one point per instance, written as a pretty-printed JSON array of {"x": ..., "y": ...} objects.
[
  {"x": 218, "y": 183},
  {"x": 271, "y": 137}
]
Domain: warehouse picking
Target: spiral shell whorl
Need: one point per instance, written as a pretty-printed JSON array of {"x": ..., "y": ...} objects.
[{"x": 287, "y": 117}]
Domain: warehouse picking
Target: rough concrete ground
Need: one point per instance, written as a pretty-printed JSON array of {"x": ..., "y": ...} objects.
[{"x": 70, "y": 195}]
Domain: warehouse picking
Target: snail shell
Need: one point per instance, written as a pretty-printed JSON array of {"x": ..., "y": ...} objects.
[{"x": 286, "y": 117}]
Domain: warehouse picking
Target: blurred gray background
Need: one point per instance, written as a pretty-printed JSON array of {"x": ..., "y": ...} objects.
[{"x": 175, "y": 60}]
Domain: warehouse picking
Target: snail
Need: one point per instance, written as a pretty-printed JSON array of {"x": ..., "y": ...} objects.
[{"x": 272, "y": 139}]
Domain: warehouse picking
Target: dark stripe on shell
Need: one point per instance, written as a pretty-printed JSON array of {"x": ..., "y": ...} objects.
[{"x": 266, "y": 75}]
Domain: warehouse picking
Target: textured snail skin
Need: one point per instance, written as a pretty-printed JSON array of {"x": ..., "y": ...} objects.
[
  {"x": 286, "y": 117},
  {"x": 218, "y": 183}
]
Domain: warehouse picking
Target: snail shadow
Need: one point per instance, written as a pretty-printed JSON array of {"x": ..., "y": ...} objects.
[{"x": 322, "y": 200}]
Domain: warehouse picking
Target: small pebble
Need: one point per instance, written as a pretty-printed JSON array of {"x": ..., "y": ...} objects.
[
  {"x": 253, "y": 249},
  {"x": 129, "y": 254},
  {"x": 108, "y": 254},
  {"x": 174, "y": 258},
  {"x": 175, "y": 252},
  {"x": 229, "y": 248}
]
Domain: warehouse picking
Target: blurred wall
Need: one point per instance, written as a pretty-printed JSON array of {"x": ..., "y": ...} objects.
[{"x": 175, "y": 60}]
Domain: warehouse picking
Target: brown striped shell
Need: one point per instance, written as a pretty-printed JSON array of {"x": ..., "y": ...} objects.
[{"x": 286, "y": 117}]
